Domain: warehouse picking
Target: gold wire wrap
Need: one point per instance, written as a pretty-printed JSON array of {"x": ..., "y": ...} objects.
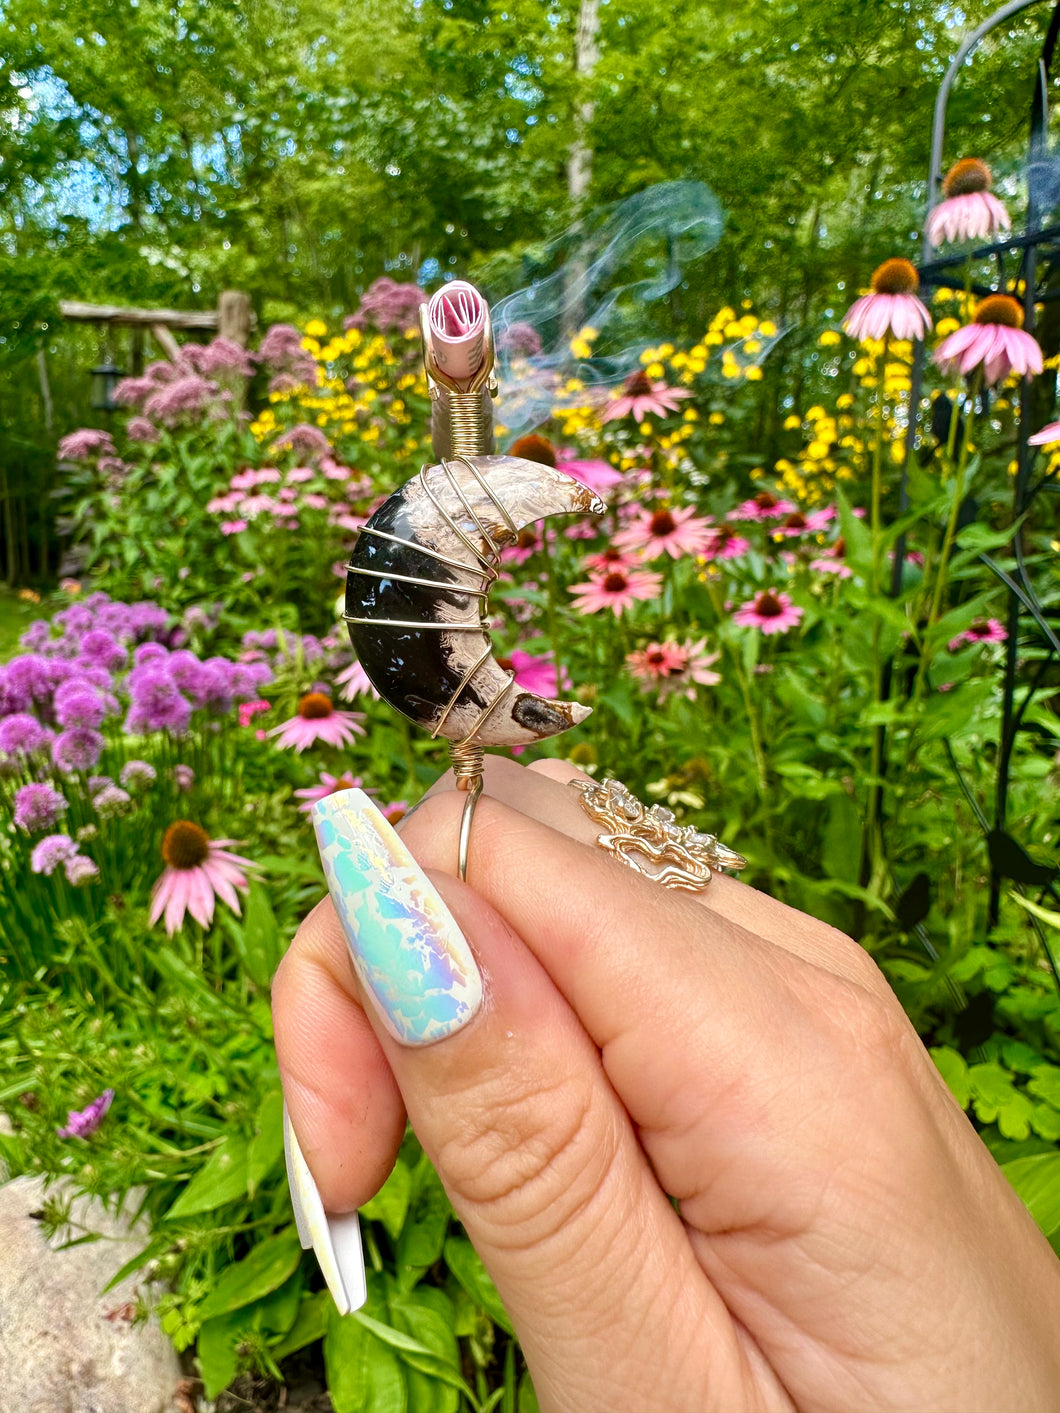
[{"x": 467, "y": 434}]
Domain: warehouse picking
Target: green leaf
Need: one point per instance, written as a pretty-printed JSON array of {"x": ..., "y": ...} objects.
[
  {"x": 858, "y": 537},
  {"x": 310, "y": 1324},
  {"x": 1046, "y": 915},
  {"x": 953, "y": 1068},
  {"x": 391, "y": 1202},
  {"x": 423, "y": 1234},
  {"x": 1037, "y": 1180},
  {"x": 364, "y": 1373},
  {"x": 222, "y": 1178},
  {"x": 466, "y": 1265},
  {"x": 428, "y": 1316},
  {"x": 218, "y": 1352},
  {"x": 265, "y": 1267},
  {"x": 256, "y": 937},
  {"x": 266, "y": 1146},
  {"x": 1045, "y": 1084}
]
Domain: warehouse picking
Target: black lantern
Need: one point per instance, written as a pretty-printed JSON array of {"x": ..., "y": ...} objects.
[{"x": 104, "y": 381}]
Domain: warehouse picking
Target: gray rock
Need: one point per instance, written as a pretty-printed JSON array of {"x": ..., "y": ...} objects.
[{"x": 59, "y": 1351}]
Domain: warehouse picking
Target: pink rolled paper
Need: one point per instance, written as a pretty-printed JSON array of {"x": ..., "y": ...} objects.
[{"x": 456, "y": 316}]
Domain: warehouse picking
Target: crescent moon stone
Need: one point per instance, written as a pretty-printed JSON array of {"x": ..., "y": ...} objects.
[{"x": 427, "y": 522}]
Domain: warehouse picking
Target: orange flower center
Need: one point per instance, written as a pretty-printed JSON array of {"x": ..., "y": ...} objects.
[
  {"x": 534, "y": 448},
  {"x": 765, "y": 501},
  {"x": 896, "y": 276},
  {"x": 656, "y": 657},
  {"x": 1000, "y": 309},
  {"x": 966, "y": 176},
  {"x": 795, "y": 521},
  {"x": 505, "y": 664},
  {"x": 527, "y": 539},
  {"x": 615, "y": 583},
  {"x": 662, "y": 523},
  {"x": 185, "y": 845},
  {"x": 768, "y": 605},
  {"x": 638, "y": 384},
  {"x": 839, "y": 549},
  {"x": 314, "y": 706}
]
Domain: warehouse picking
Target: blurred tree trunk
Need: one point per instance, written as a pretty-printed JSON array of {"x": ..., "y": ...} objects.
[{"x": 580, "y": 155}]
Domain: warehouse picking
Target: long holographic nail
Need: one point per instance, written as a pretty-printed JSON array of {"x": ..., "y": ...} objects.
[
  {"x": 409, "y": 953},
  {"x": 335, "y": 1240}
]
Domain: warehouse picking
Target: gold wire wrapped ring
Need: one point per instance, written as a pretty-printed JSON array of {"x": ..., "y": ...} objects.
[{"x": 650, "y": 840}]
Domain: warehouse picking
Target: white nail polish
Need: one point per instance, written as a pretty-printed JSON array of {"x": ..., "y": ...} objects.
[{"x": 335, "y": 1240}]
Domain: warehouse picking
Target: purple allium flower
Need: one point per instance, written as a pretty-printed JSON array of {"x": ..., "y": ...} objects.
[
  {"x": 141, "y": 429},
  {"x": 38, "y": 806},
  {"x": 13, "y": 696},
  {"x": 81, "y": 1124},
  {"x": 303, "y": 438},
  {"x": 247, "y": 678},
  {"x": 110, "y": 801},
  {"x": 183, "y": 777},
  {"x": 147, "y": 620},
  {"x": 80, "y": 870},
  {"x": 388, "y": 305},
  {"x": 137, "y": 774},
  {"x": 149, "y": 652},
  {"x": 81, "y": 705},
  {"x": 28, "y": 674},
  {"x": 187, "y": 672},
  {"x": 51, "y": 852},
  {"x": 77, "y": 749},
  {"x": 36, "y": 635},
  {"x": 22, "y": 734},
  {"x": 157, "y": 705},
  {"x": 85, "y": 442},
  {"x": 188, "y": 395},
  {"x": 98, "y": 782},
  {"x": 78, "y": 618}
]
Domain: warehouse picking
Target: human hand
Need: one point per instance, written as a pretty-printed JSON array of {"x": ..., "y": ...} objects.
[{"x": 843, "y": 1241}]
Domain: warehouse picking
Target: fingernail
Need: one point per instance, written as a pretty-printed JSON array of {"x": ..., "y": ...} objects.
[
  {"x": 409, "y": 953},
  {"x": 336, "y": 1240}
]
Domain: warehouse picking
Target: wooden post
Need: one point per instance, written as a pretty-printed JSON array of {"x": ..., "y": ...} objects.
[{"x": 234, "y": 316}]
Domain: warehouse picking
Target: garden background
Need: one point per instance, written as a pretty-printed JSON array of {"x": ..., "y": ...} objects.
[{"x": 789, "y": 630}]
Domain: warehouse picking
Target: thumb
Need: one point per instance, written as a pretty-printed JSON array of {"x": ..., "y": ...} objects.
[{"x": 508, "y": 1096}]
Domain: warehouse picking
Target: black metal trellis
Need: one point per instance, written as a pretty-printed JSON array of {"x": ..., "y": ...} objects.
[{"x": 1031, "y": 257}]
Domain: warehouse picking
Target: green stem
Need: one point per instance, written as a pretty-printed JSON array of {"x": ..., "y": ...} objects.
[
  {"x": 942, "y": 575},
  {"x": 873, "y": 838}
]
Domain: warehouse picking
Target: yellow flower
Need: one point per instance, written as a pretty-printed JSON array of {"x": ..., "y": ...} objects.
[
  {"x": 752, "y": 346},
  {"x": 714, "y": 338},
  {"x": 716, "y": 419},
  {"x": 845, "y": 400},
  {"x": 830, "y": 338},
  {"x": 753, "y": 374},
  {"x": 316, "y": 329},
  {"x": 814, "y": 412},
  {"x": 691, "y": 415},
  {"x": 734, "y": 330},
  {"x": 655, "y": 370},
  {"x": 767, "y": 329}
]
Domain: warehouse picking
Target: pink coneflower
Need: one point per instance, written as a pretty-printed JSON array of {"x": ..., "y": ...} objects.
[
  {"x": 616, "y": 590},
  {"x": 674, "y": 531},
  {"x": 763, "y": 507},
  {"x": 726, "y": 544},
  {"x": 831, "y": 561},
  {"x": 969, "y": 210},
  {"x": 533, "y": 674},
  {"x": 772, "y": 613},
  {"x": 674, "y": 667},
  {"x": 996, "y": 340},
  {"x": 328, "y": 785},
  {"x": 642, "y": 398},
  {"x": 353, "y": 680},
  {"x": 892, "y": 307},
  {"x": 317, "y": 720},
  {"x": 528, "y": 542},
  {"x": 987, "y": 630},
  {"x": 80, "y": 1123},
  {"x": 393, "y": 812},
  {"x": 198, "y": 870},
  {"x": 797, "y": 523},
  {"x": 233, "y": 527},
  {"x": 599, "y": 476},
  {"x": 1047, "y": 436}
]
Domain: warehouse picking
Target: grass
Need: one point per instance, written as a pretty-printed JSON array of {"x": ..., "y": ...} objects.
[{"x": 15, "y": 617}]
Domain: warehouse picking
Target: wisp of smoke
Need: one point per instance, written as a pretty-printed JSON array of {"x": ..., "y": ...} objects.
[{"x": 615, "y": 263}]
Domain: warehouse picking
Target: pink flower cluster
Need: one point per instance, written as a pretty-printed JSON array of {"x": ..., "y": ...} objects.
[{"x": 289, "y": 496}]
